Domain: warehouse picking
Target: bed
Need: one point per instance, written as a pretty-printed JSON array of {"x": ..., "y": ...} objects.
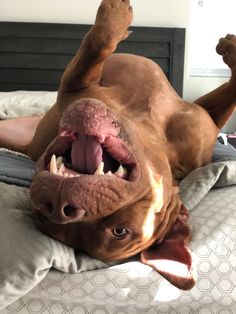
[{"x": 40, "y": 275}]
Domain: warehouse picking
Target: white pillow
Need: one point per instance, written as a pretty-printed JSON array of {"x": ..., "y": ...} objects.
[{"x": 25, "y": 103}]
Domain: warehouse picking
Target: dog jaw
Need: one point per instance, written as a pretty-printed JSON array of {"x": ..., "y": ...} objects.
[{"x": 91, "y": 164}]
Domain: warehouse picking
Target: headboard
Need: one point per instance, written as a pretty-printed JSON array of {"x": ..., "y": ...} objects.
[{"x": 34, "y": 55}]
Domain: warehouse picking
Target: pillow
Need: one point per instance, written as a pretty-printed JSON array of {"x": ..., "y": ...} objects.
[
  {"x": 195, "y": 186},
  {"x": 27, "y": 254},
  {"x": 25, "y": 103},
  {"x": 223, "y": 152},
  {"x": 16, "y": 168}
]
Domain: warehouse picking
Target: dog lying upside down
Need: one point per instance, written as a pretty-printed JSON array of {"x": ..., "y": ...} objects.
[{"x": 113, "y": 148}]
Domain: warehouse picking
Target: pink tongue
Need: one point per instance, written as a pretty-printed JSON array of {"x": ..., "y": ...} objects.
[{"x": 86, "y": 154}]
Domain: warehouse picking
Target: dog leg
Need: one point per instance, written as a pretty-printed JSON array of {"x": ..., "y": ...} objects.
[
  {"x": 111, "y": 24},
  {"x": 221, "y": 102}
]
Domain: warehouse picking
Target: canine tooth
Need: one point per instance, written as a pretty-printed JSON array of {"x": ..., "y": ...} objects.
[
  {"x": 121, "y": 172},
  {"x": 100, "y": 169},
  {"x": 61, "y": 169},
  {"x": 59, "y": 161},
  {"x": 53, "y": 165}
]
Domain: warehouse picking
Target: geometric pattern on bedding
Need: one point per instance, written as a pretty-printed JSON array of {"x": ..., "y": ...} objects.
[{"x": 135, "y": 288}]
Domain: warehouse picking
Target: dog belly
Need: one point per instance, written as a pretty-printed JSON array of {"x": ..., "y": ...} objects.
[
  {"x": 191, "y": 135},
  {"x": 137, "y": 80}
]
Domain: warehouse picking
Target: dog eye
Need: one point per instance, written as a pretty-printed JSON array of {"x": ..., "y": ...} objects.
[{"x": 119, "y": 232}]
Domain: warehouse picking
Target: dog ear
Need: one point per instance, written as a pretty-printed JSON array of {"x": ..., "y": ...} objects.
[{"x": 172, "y": 258}]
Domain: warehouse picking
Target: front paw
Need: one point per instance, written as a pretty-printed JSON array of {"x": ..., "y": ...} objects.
[
  {"x": 115, "y": 17},
  {"x": 227, "y": 48}
]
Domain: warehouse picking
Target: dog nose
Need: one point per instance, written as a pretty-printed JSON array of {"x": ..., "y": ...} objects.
[{"x": 63, "y": 214}]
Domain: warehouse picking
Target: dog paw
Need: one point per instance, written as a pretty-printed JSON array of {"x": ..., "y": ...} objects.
[
  {"x": 115, "y": 17},
  {"x": 227, "y": 48}
]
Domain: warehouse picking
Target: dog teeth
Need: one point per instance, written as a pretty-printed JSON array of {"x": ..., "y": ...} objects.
[
  {"x": 53, "y": 165},
  {"x": 59, "y": 161},
  {"x": 57, "y": 167},
  {"x": 100, "y": 169},
  {"x": 61, "y": 170},
  {"x": 121, "y": 172}
]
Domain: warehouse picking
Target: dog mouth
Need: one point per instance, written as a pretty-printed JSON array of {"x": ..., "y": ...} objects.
[
  {"x": 73, "y": 154},
  {"x": 91, "y": 168}
]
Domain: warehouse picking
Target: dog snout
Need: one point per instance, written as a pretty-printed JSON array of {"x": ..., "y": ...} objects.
[
  {"x": 61, "y": 214},
  {"x": 47, "y": 200}
]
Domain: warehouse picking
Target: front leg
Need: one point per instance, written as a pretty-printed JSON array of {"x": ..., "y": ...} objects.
[
  {"x": 221, "y": 102},
  {"x": 111, "y": 24}
]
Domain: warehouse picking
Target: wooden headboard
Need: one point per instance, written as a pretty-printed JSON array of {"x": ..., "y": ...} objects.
[{"x": 34, "y": 55}]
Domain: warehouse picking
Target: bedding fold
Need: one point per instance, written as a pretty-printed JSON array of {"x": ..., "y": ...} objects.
[
  {"x": 195, "y": 186},
  {"x": 16, "y": 168}
]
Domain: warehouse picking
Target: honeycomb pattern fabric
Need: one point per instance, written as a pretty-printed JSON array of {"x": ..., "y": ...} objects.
[{"x": 136, "y": 288}]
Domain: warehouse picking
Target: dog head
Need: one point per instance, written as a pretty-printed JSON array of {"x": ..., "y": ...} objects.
[{"x": 104, "y": 186}]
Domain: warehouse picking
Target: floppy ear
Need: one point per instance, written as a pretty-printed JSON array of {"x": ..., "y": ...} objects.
[{"x": 172, "y": 258}]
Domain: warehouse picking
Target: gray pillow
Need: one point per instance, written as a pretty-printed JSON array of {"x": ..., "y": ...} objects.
[
  {"x": 16, "y": 168},
  {"x": 223, "y": 152},
  {"x": 26, "y": 255}
]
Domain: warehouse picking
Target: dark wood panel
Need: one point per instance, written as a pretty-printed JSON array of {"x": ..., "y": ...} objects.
[
  {"x": 164, "y": 63},
  {"x": 8, "y": 87},
  {"x": 30, "y": 76},
  {"x": 147, "y": 49},
  {"x": 69, "y": 46},
  {"x": 75, "y": 31},
  {"x": 42, "y": 30},
  {"x": 52, "y": 62},
  {"x": 177, "y": 60},
  {"x": 39, "y": 45},
  {"x": 34, "y": 61},
  {"x": 35, "y": 54}
]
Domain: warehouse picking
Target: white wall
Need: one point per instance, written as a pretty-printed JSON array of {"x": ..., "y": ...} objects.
[
  {"x": 147, "y": 12},
  {"x": 208, "y": 21},
  {"x": 167, "y": 13}
]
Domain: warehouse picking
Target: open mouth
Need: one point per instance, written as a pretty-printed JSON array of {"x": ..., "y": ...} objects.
[{"x": 73, "y": 154}]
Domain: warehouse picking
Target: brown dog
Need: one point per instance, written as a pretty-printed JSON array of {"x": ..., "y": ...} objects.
[{"x": 117, "y": 114}]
